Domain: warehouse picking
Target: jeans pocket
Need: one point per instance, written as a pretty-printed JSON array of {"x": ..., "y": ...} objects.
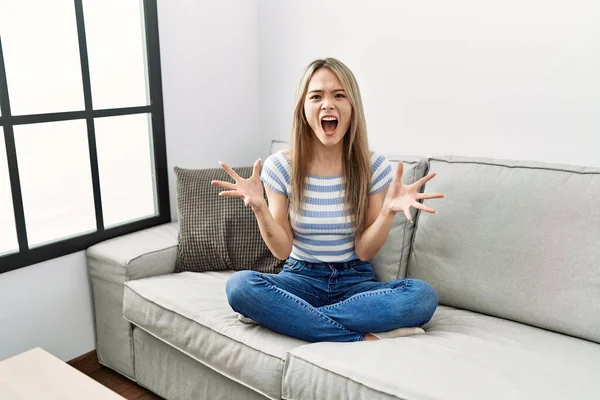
[
  {"x": 362, "y": 268},
  {"x": 293, "y": 266}
]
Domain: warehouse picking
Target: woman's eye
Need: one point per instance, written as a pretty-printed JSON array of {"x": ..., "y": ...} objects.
[
  {"x": 315, "y": 97},
  {"x": 340, "y": 95}
]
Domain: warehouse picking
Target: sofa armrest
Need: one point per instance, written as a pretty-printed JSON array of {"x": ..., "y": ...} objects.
[{"x": 111, "y": 263}]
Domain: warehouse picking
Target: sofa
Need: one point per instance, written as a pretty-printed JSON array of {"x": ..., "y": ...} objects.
[{"x": 514, "y": 254}]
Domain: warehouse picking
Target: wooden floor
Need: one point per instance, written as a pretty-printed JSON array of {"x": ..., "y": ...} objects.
[{"x": 89, "y": 365}]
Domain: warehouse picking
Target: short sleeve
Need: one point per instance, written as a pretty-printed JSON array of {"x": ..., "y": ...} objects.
[
  {"x": 382, "y": 173},
  {"x": 275, "y": 173}
]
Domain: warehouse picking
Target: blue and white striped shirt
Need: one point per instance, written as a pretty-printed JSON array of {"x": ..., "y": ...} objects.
[{"x": 323, "y": 230}]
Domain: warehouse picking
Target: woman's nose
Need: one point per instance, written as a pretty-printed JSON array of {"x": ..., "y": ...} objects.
[{"x": 327, "y": 104}]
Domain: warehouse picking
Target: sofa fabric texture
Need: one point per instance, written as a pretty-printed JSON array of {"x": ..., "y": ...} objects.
[
  {"x": 463, "y": 355},
  {"x": 391, "y": 261},
  {"x": 179, "y": 376},
  {"x": 516, "y": 240},
  {"x": 217, "y": 233},
  {"x": 113, "y": 262},
  {"x": 199, "y": 322}
]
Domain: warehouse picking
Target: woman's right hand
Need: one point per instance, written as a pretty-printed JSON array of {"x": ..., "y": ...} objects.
[{"x": 250, "y": 190}]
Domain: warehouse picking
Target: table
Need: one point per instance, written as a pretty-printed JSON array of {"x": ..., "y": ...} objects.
[{"x": 37, "y": 374}]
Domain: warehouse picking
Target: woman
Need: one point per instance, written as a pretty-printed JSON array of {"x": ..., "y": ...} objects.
[{"x": 331, "y": 203}]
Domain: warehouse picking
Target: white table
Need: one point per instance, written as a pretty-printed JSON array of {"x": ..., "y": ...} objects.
[{"x": 36, "y": 374}]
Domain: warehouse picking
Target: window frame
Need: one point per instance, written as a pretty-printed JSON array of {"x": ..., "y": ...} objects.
[{"x": 26, "y": 256}]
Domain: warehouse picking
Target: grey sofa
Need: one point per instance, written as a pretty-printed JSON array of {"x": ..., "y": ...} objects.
[{"x": 514, "y": 253}]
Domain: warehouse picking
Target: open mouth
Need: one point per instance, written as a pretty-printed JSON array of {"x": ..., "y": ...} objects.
[{"x": 329, "y": 124}]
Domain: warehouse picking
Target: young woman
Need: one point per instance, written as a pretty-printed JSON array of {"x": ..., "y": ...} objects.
[{"x": 331, "y": 203}]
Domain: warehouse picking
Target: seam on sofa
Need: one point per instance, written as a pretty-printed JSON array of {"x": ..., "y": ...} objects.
[
  {"x": 200, "y": 361},
  {"x": 131, "y": 346},
  {"x": 518, "y": 166},
  {"x": 402, "y": 252},
  {"x": 100, "y": 257},
  {"x": 398, "y": 159},
  {"x": 406, "y": 223},
  {"x": 289, "y": 355},
  {"x": 126, "y": 276},
  {"x": 414, "y": 235},
  {"x": 130, "y": 330},
  {"x": 209, "y": 328},
  {"x": 150, "y": 252}
]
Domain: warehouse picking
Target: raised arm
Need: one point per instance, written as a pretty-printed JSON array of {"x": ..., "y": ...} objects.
[{"x": 383, "y": 207}]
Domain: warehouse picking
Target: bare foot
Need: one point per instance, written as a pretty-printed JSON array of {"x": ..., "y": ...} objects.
[
  {"x": 370, "y": 336},
  {"x": 400, "y": 332}
]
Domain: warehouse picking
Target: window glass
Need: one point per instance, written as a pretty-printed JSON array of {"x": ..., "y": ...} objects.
[
  {"x": 8, "y": 233},
  {"x": 41, "y": 56},
  {"x": 126, "y": 165},
  {"x": 116, "y": 53},
  {"x": 56, "y": 180}
]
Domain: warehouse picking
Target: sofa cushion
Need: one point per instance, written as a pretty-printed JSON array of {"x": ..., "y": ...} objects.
[
  {"x": 217, "y": 233},
  {"x": 189, "y": 311},
  {"x": 463, "y": 355},
  {"x": 514, "y": 239}
]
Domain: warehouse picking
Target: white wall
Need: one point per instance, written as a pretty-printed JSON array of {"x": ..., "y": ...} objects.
[
  {"x": 209, "y": 56},
  {"x": 210, "y": 64},
  {"x": 47, "y": 305},
  {"x": 513, "y": 79}
]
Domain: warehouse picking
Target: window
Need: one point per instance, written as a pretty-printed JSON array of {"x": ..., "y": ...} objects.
[
  {"x": 8, "y": 232},
  {"x": 82, "y": 143}
]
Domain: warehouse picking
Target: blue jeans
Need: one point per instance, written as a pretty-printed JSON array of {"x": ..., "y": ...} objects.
[{"x": 337, "y": 302}]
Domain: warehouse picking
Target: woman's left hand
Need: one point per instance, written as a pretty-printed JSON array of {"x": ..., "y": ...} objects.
[{"x": 401, "y": 197}]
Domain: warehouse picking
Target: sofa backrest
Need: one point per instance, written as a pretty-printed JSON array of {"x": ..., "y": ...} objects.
[
  {"x": 391, "y": 261},
  {"x": 516, "y": 240}
]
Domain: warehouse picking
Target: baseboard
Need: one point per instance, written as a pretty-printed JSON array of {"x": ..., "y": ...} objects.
[{"x": 86, "y": 363}]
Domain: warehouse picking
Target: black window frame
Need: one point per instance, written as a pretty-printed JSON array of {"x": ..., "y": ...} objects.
[{"x": 26, "y": 256}]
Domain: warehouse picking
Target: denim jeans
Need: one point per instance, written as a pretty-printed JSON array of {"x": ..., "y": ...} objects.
[{"x": 337, "y": 302}]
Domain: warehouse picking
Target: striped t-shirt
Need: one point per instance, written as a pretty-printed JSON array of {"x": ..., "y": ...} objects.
[{"x": 323, "y": 231}]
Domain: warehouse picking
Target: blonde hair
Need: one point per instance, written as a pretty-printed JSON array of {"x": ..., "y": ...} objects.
[{"x": 356, "y": 156}]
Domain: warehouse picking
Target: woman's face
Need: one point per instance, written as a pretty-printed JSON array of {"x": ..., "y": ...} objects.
[{"x": 327, "y": 108}]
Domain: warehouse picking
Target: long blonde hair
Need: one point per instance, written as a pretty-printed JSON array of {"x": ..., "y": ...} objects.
[{"x": 356, "y": 156}]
